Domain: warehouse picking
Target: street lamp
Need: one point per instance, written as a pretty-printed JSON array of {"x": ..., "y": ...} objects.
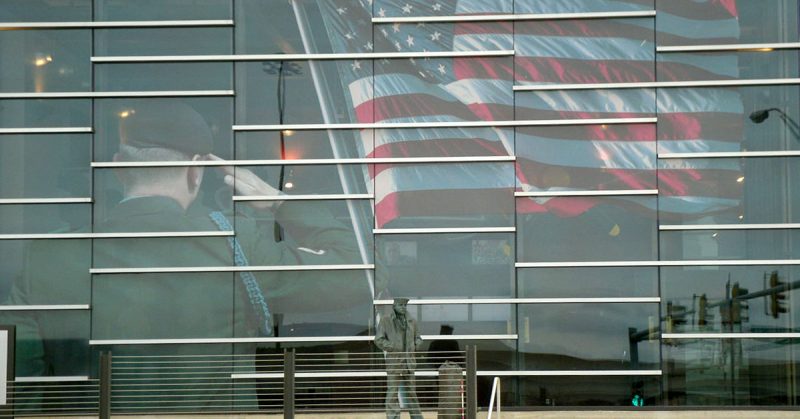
[{"x": 761, "y": 115}]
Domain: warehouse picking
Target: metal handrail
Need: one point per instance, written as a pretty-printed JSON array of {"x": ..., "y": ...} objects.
[{"x": 495, "y": 394}]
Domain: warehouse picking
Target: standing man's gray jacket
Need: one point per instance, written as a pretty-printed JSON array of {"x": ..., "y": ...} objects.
[{"x": 399, "y": 342}]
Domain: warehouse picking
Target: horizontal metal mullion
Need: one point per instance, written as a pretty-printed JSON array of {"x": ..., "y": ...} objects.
[
  {"x": 46, "y": 130},
  {"x": 568, "y": 373},
  {"x": 512, "y": 17},
  {"x": 187, "y": 269},
  {"x": 526, "y": 300},
  {"x": 444, "y": 230},
  {"x": 448, "y": 124},
  {"x": 582, "y": 86},
  {"x": 321, "y": 197},
  {"x": 586, "y": 193},
  {"x": 120, "y": 94},
  {"x": 26, "y": 201},
  {"x": 729, "y": 154},
  {"x": 297, "y": 162},
  {"x": 512, "y": 336},
  {"x": 299, "y": 57},
  {"x": 114, "y": 24},
  {"x": 658, "y": 263},
  {"x": 120, "y": 235},
  {"x": 96, "y": 342},
  {"x": 50, "y": 379},
  {"x": 765, "y": 47},
  {"x": 788, "y": 335},
  {"x": 774, "y": 226},
  {"x": 655, "y": 84},
  {"x": 44, "y": 307}
]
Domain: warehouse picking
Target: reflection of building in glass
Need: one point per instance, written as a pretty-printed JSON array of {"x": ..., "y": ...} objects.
[{"x": 607, "y": 204}]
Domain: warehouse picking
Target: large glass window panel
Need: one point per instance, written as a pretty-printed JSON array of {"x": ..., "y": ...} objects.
[
  {"x": 587, "y": 282},
  {"x": 304, "y": 92},
  {"x": 445, "y": 265},
  {"x": 391, "y": 8},
  {"x": 761, "y": 64},
  {"x": 30, "y": 113},
  {"x": 50, "y": 342},
  {"x": 585, "y": 104},
  {"x": 588, "y": 336},
  {"x": 729, "y": 191},
  {"x": 303, "y": 144},
  {"x": 444, "y": 195},
  {"x": 584, "y": 51},
  {"x": 726, "y": 372},
  {"x": 313, "y": 179},
  {"x": 150, "y": 199},
  {"x": 175, "y": 123},
  {"x": 730, "y": 299},
  {"x": 730, "y": 244},
  {"x": 443, "y": 142},
  {"x": 589, "y": 391},
  {"x": 44, "y": 218},
  {"x": 163, "y": 306},
  {"x": 443, "y": 89},
  {"x": 753, "y": 118},
  {"x": 580, "y": 6},
  {"x": 556, "y": 229},
  {"x": 162, "y": 9},
  {"x": 45, "y": 61},
  {"x": 45, "y": 272},
  {"x": 471, "y": 36},
  {"x": 586, "y": 157},
  {"x": 163, "y": 41},
  {"x": 45, "y": 166},
  {"x": 465, "y": 319},
  {"x": 160, "y": 76},
  {"x": 315, "y": 303},
  {"x": 330, "y": 232},
  {"x": 689, "y": 22},
  {"x": 46, "y": 11}
]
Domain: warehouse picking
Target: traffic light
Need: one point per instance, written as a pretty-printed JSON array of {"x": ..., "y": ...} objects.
[
  {"x": 776, "y": 295},
  {"x": 703, "y": 316},
  {"x": 676, "y": 316},
  {"x": 738, "y": 304}
]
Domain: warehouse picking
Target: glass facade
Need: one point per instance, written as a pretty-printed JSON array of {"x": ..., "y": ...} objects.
[{"x": 609, "y": 204}]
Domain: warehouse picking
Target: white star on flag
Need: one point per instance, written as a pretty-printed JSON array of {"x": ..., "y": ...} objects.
[
  {"x": 356, "y": 65},
  {"x": 381, "y": 12},
  {"x": 410, "y": 40},
  {"x": 435, "y": 36},
  {"x": 407, "y": 8},
  {"x": 341, "y": 10},
  {"x": 396, "y": 27},
  {"x": 437, "y": 7},
  {"x": 442, "y": 69}
]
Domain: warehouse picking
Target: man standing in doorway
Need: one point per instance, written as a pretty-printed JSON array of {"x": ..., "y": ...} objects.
[{"x": 397, "y": 335}]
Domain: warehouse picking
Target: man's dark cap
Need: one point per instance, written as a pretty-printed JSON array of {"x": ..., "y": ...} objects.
[
  {"x": 401, "y": 300},
  {"x": 165, "y": 124}
]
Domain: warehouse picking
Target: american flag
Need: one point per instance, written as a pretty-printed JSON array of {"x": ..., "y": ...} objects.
[{"x": 590, "y": 157}]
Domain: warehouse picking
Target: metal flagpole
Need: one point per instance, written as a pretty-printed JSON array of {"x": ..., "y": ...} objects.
[{"x": 302, "y": 21}]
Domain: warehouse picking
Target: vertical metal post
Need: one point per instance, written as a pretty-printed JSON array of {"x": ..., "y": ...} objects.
[
  {"x": 288, "y": 384},
  {"x": 105, "y": 385},
  {"x": 472, "y": 382}
]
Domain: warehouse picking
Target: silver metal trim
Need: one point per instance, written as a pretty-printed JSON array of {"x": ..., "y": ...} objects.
[
  {"x": 587, "y": 193},
  {"x": 321, "y": 197},
  {"x": 729, "y": 154},
  {"x": 454, "y": 124},
  {"x": 52, "y": 379},
  {"x": 113, "y": 24},
  {"x": 513, "y": 336},
  {"x": 657, "y": 263},
  {"x": 299, "y": 57},
  {"x": 729, "y": 335},
  {"x": 299, "y": 162},
  {"x": 190, "y": 269},
  {"x": 45, "y": 201},
  {"x": 90, "y": 95},
  {"x": 95, "y": 342},
  {"x": 568, "y": 373},
  {"x": 657, "y": 84},
  {"x": 767, "y": 47},
  {"x": 47, "y": 130},
  {"x": 682, "y": 227},
  {"x": 464, "y": 301},
  {"x": 444, "y": 230},
  {"x": 119, "y": 235},
  {"x": 512, "y": 17},
  {"x": 45, "y": 307}
]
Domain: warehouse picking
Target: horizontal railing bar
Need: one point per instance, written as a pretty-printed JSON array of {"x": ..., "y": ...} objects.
[
  {"x": 258, "y": 356},
  {"x": 27, "y": 390},
  {"x": 656, "y": 84},
  {"x": 729, "y": 154},
  {"x": 49, "y": 379},
  {"x": 120, "y": 94},
  {"x": 321, "y": 197},
  {"x": 586, "y": 193},
  {"x": 119, "y": 235},
  {"x": 568, "y": 373},
  {"x": 188, "y": 269},
  {"x": 774, "y": 226},
  {"x": 449, "y": 124},
  {"x": 444, "y": 230},
  {"x": 777, "y": 335},
  {"x": 298, "y": 57},
  {"x": 657, "y": 263},
  {"x": 95, "y": 342},
  {"x": 229, "y": 388},
  {"x": 228, "y": 384},
  {"x": 27, "y": 201},
  {"x": 515, "y": 17},
  {"x": 765, "y": 47},
  {"x": 44, "y": 307},
  {"x": 48, "y": 130},
  {"x": 114, "y": 24},
  {"x": 522, "y": 300}
]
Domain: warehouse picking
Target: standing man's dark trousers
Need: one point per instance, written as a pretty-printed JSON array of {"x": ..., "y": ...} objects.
[{"x": 394, "y": 381}]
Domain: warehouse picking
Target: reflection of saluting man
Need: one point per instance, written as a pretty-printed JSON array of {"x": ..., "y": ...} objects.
[{"x": 398, "y": 335}]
